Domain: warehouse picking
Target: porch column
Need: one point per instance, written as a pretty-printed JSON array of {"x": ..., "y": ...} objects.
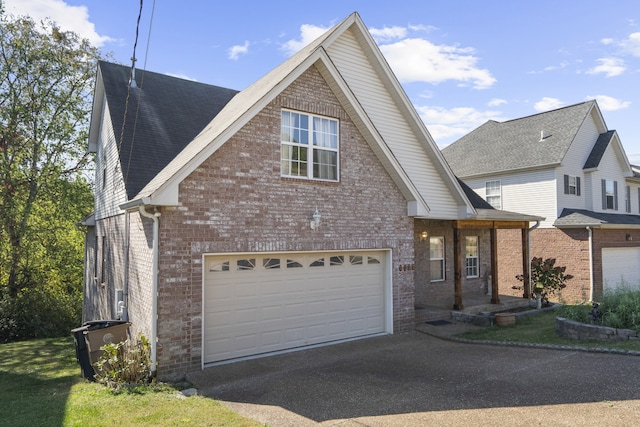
[
  {"x": 525, "y": 264},
  {"x": 495, "y": 298},
  {"x": 457, "y": 274}
]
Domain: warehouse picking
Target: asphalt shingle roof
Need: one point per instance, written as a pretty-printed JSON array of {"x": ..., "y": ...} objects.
[
  {"x": 163, "y": 115},
  {"x": 517, "y": 144},
  {"x": 583, "y": 218},
  {"x": 598, "y": 149}
]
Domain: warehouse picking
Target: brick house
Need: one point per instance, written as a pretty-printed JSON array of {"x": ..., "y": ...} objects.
[
  {"x": 567, "y": 166},
  {"x": 311, "y": 207}
]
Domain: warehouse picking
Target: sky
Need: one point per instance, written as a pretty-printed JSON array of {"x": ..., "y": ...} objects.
[{"x": 461, "y": 62}]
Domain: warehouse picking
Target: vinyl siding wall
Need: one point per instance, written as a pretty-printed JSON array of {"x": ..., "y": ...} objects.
[
  {"x": 403, "y": 141},
  {"x": 530, "y": 193},
  {"x": 610, "y": 169},
  {"x": 110, "y": 193}
]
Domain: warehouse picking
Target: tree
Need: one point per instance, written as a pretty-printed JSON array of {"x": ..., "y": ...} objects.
[
  {"x": 546, "y": 277},
  {"x": 46, "y": 78}
]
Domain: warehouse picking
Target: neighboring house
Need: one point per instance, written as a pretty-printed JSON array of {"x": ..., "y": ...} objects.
[
  {"x": 567, "y": 166},
  {"x": 311, "y": 207}
]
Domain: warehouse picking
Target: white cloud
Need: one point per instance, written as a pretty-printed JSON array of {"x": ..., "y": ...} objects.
[
  {"x": 632, "y": 44},
  {"x": 610, "y": 67},
  {"x": 496, "y": 102},
  {"x": 69, "y": 18},
  {"x": 609, "y": 103},
  {"x": 418, "y": 60},
  {"x": 546, "y": 104},
  {"x": 308, "y": 33},
  {"x": 237, "y": 50},
  {"x": 447, "y": 125},
  {"x": 386, "y": 34}
]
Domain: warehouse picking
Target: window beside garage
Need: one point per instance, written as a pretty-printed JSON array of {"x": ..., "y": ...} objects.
[
  {"x": 436, "y": 258},
  {"x": 309, "y": 146}
]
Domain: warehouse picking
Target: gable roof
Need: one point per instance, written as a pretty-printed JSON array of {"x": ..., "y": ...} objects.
[
  {"x": 580, "y": 218},
  {"x": 163, "y": 115},
  {"x": 163, "y": 188},
  {"x": 529, "y": 142}
]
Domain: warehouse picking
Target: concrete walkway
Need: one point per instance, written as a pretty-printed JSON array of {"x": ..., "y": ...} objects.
[{"x": 419, "y": 379}]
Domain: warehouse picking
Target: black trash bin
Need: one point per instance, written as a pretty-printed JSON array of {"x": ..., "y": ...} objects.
[{"x": 91, "y": 336}]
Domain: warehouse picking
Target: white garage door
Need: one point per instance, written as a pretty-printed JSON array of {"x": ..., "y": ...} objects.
[
  {"x": 261, "y": 303},
  {"x": 620, "y": 265}
]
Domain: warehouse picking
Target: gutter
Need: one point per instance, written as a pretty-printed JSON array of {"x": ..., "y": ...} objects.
[{"x": 154, "y": 286}]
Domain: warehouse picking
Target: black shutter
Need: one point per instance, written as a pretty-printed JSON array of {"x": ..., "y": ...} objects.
[
  {"x": 604, "y": 194},
  {"x": 615, "y": 195},
  {"x": 566, "y": 184},
  {"x": 577, "y": 185}
]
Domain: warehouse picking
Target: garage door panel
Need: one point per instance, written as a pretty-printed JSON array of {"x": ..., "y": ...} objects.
[
  {"x": 620, "y": 266},
  {"x": 258, "y": 309}
]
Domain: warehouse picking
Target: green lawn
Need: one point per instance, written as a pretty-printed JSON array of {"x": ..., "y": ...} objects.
[
  {"x": 42, "y": 386},
  {"x": 540, "y": 329}
]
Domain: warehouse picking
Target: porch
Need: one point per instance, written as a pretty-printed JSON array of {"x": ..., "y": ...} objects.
[{"x": 441, "y": 310}]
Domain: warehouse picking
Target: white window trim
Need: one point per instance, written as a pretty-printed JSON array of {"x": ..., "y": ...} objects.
[
  {"x": 498, "y": 196},
  {"x": 311, "y": 148},
  {"x": 442, "y": 260},
  {"x": 476, "y": 257}
]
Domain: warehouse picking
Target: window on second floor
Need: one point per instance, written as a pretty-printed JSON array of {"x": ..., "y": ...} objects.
[
  {"x": 309, "y": 146},
  {"x": 609, "y": 194},
  {"x": 572, "y": 185},
  {"x": 493, "y": 194}
]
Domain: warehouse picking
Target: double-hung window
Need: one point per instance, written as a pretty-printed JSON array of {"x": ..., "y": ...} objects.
[
  {"x": 493, "y": 194},
  {"x": 436, "y": 258},
  {"x": 609, "y": 194},
  {"x": 572, "y": 185},
  {"x": 471, "y": 256},
  {"x": 309, "y": 146}
]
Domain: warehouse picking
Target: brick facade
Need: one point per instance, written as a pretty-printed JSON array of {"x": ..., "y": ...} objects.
[
  {"x": 236, "y": 201},
  {"x": 570, "y": 248},
  {"x": 441, "y": 293}
]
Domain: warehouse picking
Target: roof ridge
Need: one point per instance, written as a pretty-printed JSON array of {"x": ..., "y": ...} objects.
[{"x": 592, "y": 101}]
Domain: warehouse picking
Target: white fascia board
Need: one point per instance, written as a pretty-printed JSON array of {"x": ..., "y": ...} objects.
[
  {"x": 390, "y": 163},
  {"x": 97, "y": 110},
  {"x": 426, "y": 140}
]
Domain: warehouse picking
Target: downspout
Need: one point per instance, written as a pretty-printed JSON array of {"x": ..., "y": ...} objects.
[
  {"x": 537, "y": 224},
  {"x": 590, "y": 230},
  {"x": 154, "y": 285},
  {"x": 125, "y": 281}
]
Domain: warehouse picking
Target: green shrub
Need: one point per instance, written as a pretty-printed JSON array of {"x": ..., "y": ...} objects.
[
  {"x": 578, "y": 313},
  {"x": 621, "y": 308},
  {"x": 125, "y": 363},
  {"x": 39, "y": 313}
]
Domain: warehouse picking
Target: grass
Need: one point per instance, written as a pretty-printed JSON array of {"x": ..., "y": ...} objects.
[
  {"x": 540, "y": 329},
  {"x": 42, "y": 385}
]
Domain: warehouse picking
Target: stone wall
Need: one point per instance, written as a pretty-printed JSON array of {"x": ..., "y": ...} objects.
[{"x": 581, "y": 331}]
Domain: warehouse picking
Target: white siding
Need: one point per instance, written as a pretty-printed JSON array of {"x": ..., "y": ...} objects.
[
  {"x": 375, "y": 98},
  {"x": 109, "y": 193},
  {"x": 573, "y": 165},
  {"x": 610, "y": 168},
  {"x": 531, "y": 193}
]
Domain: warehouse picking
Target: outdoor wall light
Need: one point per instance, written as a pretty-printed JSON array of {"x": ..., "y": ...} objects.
[
  {"x": 424, "y": 235},
  {"x": 315, "y": 220}
]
